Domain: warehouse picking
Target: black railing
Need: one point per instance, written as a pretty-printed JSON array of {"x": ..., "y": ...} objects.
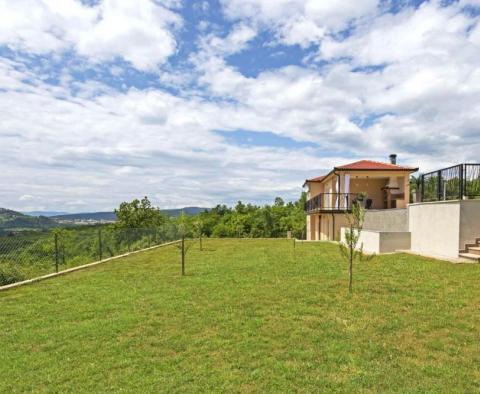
[
  {"x": 452, "y": 183},
  {"x": 335, "y": 202}
]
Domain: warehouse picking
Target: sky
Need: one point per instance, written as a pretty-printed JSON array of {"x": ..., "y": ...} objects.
[{"x": 195, "y": 103}]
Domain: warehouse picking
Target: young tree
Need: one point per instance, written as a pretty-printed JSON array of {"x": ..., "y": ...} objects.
[
  {"x": 198, "y": 226},
  {"x": 350, "y": 249},
  {"x": 183, "y": 246}
]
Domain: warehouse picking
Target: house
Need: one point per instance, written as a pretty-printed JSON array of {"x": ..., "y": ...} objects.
[
  {"x": 376, "y": 185},
  {"x": 445, "y": 222}
]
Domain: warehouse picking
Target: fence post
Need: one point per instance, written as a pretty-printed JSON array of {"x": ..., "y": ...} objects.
[
  {"x": 100, "y": 243},
  {"x": 56, "y": 252},
  {"x": 183, "y": 255},
  {"x": 460, "y": 197},
  {"x": 439, "y": 185},
  {"x": 422, "y": 185}
]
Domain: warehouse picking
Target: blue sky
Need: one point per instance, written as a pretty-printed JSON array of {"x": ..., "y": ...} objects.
[{"x": 206, "y": 102}]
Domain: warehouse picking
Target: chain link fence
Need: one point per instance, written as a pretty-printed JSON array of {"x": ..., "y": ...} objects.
[{"x": 28, "y": 255}]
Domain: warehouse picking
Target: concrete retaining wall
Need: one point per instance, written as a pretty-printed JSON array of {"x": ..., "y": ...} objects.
[
  {"x": 435, "y": 228},
  {"x": 382, "y": 241},
  {"x": 386, "y": 220},
  {"x": 440, "y": 228}
]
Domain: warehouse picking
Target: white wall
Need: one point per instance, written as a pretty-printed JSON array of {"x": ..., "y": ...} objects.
[
  {"x": 439, "y": 228},
  {"x": 370, "y": 241},
  {"x": 435, "y": 228},
  {"x": 381, "y": 242}
]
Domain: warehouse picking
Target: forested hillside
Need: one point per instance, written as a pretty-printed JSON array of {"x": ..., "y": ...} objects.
[{"x": 12, "y": 220}]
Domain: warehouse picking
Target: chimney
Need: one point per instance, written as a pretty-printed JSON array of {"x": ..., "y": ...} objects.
[{"x": 393, "y": 158}]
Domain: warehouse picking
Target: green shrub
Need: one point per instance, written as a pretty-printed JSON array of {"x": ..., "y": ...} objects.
[{"x": 9, "y": 273}]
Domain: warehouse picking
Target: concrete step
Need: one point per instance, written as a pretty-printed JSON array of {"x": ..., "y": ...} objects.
[
  {"x": 474, "y": 250},
  {"x": 470, "y": 256}
]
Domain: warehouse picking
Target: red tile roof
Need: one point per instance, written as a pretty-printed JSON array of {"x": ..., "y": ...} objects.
[
  {"x": 365, "y": 165},
  {"x": 374, "y": 165},
  {"x": 317, "y": 179}
]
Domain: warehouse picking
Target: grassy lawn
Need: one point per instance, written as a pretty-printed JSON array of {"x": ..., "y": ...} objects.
[{"x": 250, "y": 316}]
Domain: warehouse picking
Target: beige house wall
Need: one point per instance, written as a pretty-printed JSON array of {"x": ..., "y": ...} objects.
[
  {"x": 314, "y": 189},
  {"x": 309, "y": 228},
  {"x": 331, "y": 225},
  {"x": 325, "y": 228},
  {"x": 321, "y": 227},
  {"x": 373, "y": 188},
  {"x": 340, "y": 221},
  {"x": 316, "y": 230},
  {"x": 372, "y": 183}
]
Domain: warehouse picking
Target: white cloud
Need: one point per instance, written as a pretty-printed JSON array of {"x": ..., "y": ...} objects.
[
  {"x": 432, "y": 31},
  {"x": 138, "y": 32},
  {"x": 26, "y": 197},
  {"x": 236, "y": 41},
  {"x": 115, "y": 146},
  {"x": 299, "y": 21},
  {"x": 102, "y": 146}
]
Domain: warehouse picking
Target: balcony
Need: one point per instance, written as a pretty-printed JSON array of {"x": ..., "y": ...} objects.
[{"x": 335, "y": 202}]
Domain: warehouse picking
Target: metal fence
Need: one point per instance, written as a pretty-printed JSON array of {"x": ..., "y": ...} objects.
[
  {"x": 458, "y": 182},
  {"x": 28, "y": 255},
  {"x": 336, "y": 202}
]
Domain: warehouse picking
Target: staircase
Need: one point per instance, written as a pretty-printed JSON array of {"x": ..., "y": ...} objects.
[{"x": 471, "y": 251}]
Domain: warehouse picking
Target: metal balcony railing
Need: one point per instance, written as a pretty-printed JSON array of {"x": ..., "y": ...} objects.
[
  {"x": 452, "y": 183},
  {"x": 332, "y": 202}
]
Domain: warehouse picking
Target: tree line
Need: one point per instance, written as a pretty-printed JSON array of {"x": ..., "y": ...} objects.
[{"x": 242, "y": 220}]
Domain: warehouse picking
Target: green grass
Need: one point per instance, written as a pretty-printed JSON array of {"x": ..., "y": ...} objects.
[{"x": 250, "y": 316}]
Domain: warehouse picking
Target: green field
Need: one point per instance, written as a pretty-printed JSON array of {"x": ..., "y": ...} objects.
[{"x": 250, "y": 316}]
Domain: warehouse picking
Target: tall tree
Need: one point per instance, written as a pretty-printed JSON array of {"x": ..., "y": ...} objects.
[{"x": 139, "y": 214}]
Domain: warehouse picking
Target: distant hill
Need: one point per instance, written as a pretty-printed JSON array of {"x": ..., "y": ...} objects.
[
  {"x": 186, "y": 210},
  {"x": 45, "y": 213},
  {"x": 13, "y": 220},
  {"x": 98, "y": 216},
  {"x": 110, "y": 216}
]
